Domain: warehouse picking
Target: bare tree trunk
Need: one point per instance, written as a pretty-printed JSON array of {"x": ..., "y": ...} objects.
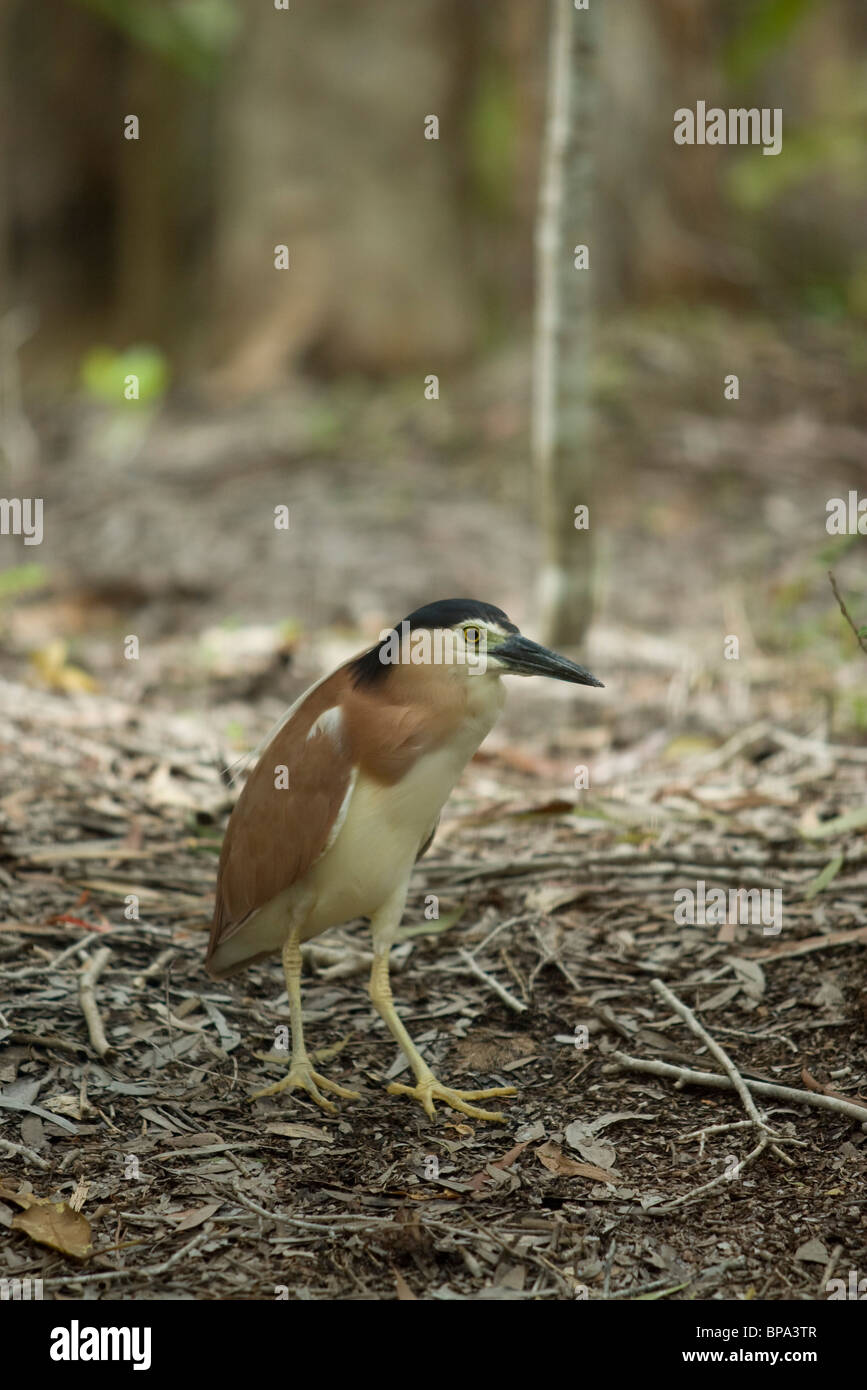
[
  {"x": 321, "y": 148},
  {"x": 6, "y": 290},
  {"x": 147, "y": 185},
  {"x": 562, "y": 444}
]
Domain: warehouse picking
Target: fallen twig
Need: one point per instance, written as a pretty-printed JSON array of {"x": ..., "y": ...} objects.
[
  {"x": 859, "y": 632},
  {"x": 684, "y": 1076},
  {"x": 87, "y": 998},
  {"x": 499, "y": 990},
  {"x": 806, "y": 946},
  {"x": 725, "y": 1176},
  {"x": 713, "y": 1272},
  {"x": 134, "y": 1272},
  {"x": 829, "y": 1270},
  {"x": 155, "y": 967},
  {"x": 21, "y": 1151},
  {"x": 714, "y": 1048}
]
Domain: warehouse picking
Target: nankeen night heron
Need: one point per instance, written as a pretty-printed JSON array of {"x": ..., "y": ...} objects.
[{"x": 346, "y": 797}]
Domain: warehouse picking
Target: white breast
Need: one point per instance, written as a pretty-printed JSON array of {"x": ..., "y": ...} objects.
[{"x": 385, "y": 826}]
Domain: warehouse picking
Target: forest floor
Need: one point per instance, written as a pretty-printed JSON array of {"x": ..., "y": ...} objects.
[{"x": 558, "y": 962}]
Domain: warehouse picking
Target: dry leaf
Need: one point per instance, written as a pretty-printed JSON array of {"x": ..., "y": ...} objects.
[
  {"x": 581, "y": 1136},
  {"x": 509, "y": 1158},
  {"x": 192, "y": 1141},
  {"x": 54, "y": 1224},
  {"x": 553, "y": 1158},
  {"x": 813, "y": 1252},
  {"x": 480, "y": 1181},
  {"x": 195, "y": 1216},
  {"x": 751, "y": 974},
  {"x": 297, "y": 1131}
]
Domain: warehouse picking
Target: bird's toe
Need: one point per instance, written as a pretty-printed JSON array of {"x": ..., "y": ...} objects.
[
  {"x": 301, "y": 1076},
  {"x": 427, "y": 1091},
  {"x": 333, "y": 1086}
]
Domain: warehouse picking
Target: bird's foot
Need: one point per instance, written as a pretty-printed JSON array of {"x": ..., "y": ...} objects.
[
  {"x": 428, "y": 1089},
  {"x": 302, "y": 1076}
]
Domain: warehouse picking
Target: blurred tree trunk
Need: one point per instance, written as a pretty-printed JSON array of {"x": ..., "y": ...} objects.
[
  {"x": 148, "y": 293},
  {"x": 6, "y": 288},
  {"x": 562, "y": 444},
  {"x": 321, "y": 148}
]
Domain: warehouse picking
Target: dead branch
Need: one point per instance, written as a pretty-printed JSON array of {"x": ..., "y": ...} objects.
[
  {"x": 499, "y": 990},
  {"x": 713, "y": 1048},
  {"x": 859, "y": 632},
  {"x": 87, "y": 998},
  {"x": 684, "y": 1076}
]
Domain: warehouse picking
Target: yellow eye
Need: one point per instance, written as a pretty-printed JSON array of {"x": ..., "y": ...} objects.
[{"x": 472, "y": 636}]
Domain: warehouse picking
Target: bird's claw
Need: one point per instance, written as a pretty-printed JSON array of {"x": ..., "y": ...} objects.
[
  {"x": 429, "y": 1089},
  {"x": 302, "y": 1076}
]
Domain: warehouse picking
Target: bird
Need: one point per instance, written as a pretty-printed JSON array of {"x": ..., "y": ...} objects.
[{"x": 346, "y": 797}]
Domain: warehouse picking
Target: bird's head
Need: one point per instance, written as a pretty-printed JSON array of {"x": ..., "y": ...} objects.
[{"x": 473, "y": 637}]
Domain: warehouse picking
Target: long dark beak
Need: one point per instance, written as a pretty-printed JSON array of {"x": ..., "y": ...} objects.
[{"x": 522, "y": 657}]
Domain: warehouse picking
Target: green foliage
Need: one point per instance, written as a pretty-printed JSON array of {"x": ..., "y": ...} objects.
[
  {"x": 857, "y": 290},
  {"x": 828, "y": 874},
  {"x": 193, "y": 35},
  {"x": 769, "y": 24},
  {"x": 837, "y": 547},
  {"x": 325, "y": 426},
  {"x": 824, "y": 158},
  {"x": 858, "y": 711},
  {"x": 788, "y": 596},
  {"x": 104, "y": 373},
  {"x": 201, "y": 839},
  {"x": 831, "y": 147},
  {"x": 850, "y": 821},
  {"x": 21, "y": 579},
  {"x": 791, "y": 620},
  {"x": 430, "y": 928},
  {"x": 491, "y": 142}
]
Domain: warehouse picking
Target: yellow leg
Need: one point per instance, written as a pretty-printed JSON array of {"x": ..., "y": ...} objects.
[
  {"x": 301, "y": 1073},
  {"x": 427, "y": 1089}
]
